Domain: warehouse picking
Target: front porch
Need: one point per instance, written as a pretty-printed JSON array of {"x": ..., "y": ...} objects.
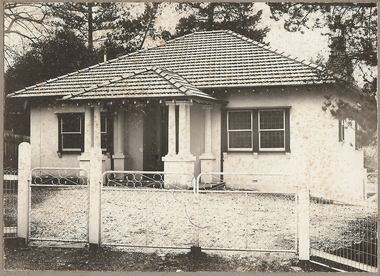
[{"x": 169, "y": 136}]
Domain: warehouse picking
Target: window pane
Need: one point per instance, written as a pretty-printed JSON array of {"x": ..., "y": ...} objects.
[
  {"x": 71, "y": 123},
  {"x": 272, "y": 119},
  {"x": 239, "y": 120},
  {"x": 272, "y": 139},
  {"x": 240, "y": 139},
  {"x": 72, "y": 141}
]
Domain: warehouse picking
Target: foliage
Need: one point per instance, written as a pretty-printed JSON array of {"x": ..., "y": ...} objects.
[
  {"x": 352, "y": 29},
  {"x": 84, "y": 17},
  {"x": 238, "y": 17},
  {"x": 24, "y": 22},
  {"x": 48, "y": 58}
]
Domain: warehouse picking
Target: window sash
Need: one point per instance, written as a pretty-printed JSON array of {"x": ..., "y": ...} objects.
[
  {"x": 258, "y": 133},
  {"x": 280, "y": 130},
  {"x": 71, "y": 141},
  {"x": 233, "y": 133}
]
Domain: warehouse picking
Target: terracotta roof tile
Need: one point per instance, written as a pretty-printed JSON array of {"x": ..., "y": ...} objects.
[
  {"x": 149, "y": 82},
  {"x": 203, "y": 60}
]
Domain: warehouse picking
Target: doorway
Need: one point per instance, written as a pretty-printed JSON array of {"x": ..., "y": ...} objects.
[{"x": 155, "y": 136}]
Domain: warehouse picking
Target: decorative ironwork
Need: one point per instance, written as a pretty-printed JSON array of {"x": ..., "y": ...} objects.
[
  {"x": 59, "y": 176},
  {"x": 148, "y": 179},
  {"x": 59, "y": 205}
]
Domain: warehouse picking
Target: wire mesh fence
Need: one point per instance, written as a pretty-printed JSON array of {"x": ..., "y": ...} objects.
[
  {"x": 255, "y": 212},
  {"x": 344, "y": 234},
  {"x": 154, "y": 209},
  {"x": 59, "y": 204},
  {"x": 10, "y": 202},
  {"x": 147, "y": 209}
]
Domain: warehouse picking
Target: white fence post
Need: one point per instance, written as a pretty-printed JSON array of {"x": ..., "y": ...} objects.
[
  {"x": 24, "y": 170},
  {"x": 303, "y": 223},
  {"x": 95, "y": 194}
]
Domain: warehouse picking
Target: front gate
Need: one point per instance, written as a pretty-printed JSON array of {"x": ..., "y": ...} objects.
[
  {"x": 59, "y": 205},
  {"x": 161, "y": 210},
  {"x": 147, "y": 209},
  {"x": 239, "y": 212}
]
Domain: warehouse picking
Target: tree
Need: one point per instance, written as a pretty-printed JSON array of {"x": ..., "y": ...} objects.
[
  {"x": 24, "y": 23},
  {"x": 352, "y": 29},
  {"x": 63, "y": 53},
  {"x": 85, "y": 18},
  {"x": 132, "y": 31},
  {"x": 238, "y": 17}
]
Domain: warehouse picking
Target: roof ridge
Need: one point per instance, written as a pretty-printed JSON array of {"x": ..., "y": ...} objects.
[{"x": 276, "y": 51}]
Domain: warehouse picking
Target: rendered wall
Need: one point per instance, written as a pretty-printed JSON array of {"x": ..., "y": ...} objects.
[
  {"x": 330, "y": 168},
  {"x": 44, "y": 138}
]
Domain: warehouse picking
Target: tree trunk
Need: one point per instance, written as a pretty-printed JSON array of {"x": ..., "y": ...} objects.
[{"x": 90, "y": 27}]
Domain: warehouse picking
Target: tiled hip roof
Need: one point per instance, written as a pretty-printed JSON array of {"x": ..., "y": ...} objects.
[{"x": 204, "y": 60}]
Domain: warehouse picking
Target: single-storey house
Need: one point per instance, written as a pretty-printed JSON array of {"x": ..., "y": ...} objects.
[{"x": 212, "y": 101}]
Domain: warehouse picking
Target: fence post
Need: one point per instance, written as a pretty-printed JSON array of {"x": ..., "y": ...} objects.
[
  {"x": 303, "y": 224},
  {"x": 24, "y": 171},
  {"x": 95, "y": 193}
]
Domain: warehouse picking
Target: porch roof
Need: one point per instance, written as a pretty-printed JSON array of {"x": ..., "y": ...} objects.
[
  {"x": 150, "y": 82},
  {"x": 211, "y": 59}
]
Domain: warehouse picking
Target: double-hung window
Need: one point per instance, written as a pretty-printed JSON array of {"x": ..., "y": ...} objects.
[
  {"x": 272, "y": 130},
  {"x": 71, "y": 132},
  {"x": 258, "y": 130},
  {"x": 239, "y": 129}
]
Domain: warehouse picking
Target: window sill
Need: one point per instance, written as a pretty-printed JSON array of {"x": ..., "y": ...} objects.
[
  {"x": 60, "y": 153},
  {"x": 261, "y": 151}
]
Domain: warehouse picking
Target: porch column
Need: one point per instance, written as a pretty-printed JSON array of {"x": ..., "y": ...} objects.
[
  {"x": 119, "y": 157},
  {"x": 87, "y": 128},
  {"x": 184, "y": 128},
  {"x": 84, "y": 158},
  {"x": 96, "y": 136},
  {"x": 171, "y": 129},
  {"x": 179, "y": 168},
  {"x": 207, "y": 158}
]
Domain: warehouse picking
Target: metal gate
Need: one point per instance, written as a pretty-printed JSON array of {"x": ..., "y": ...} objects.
[
  {"x": 59, "y": 205},
  {"x": 147, "y": 209},
  {"x": 10, "y": 202},
  {"x": 240, "y": 212},
  {"x": 161, "y": 210}
]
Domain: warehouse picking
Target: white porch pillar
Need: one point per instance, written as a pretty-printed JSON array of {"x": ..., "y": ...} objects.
[
  {"x": 96, "y": 137},
  {"x": 119, "y": 157},
  {"x": 84, "y": 158},
  {"x": 171, "y": 129},
  {"x": 179, "y": 166},
  {"x": 207, "y": 158},
  {"x": 184, "y": 129},
  {"x": 87, "y": 128}
]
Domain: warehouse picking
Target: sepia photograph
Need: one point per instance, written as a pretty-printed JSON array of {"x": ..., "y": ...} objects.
[{"x": 190, "y": 136}]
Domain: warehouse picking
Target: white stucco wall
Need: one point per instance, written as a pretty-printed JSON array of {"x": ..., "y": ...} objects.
[
  {"x": 44, "y": 138},
  {"x": 330, "y": 168}
]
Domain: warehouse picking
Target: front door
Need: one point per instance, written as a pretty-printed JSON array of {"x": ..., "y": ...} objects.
[{"x": 155, "y": 136}]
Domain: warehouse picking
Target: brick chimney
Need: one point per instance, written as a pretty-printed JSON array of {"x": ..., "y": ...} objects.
[{"x": 339, "y": 62}]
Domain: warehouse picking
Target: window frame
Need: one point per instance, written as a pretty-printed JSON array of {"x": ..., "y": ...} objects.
[
  {"x": 269, "y": 130},
  {"x": 61, "y": 134},
  {"x": 240, "y": 130},
  {"x": 255, "y": 136}
]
